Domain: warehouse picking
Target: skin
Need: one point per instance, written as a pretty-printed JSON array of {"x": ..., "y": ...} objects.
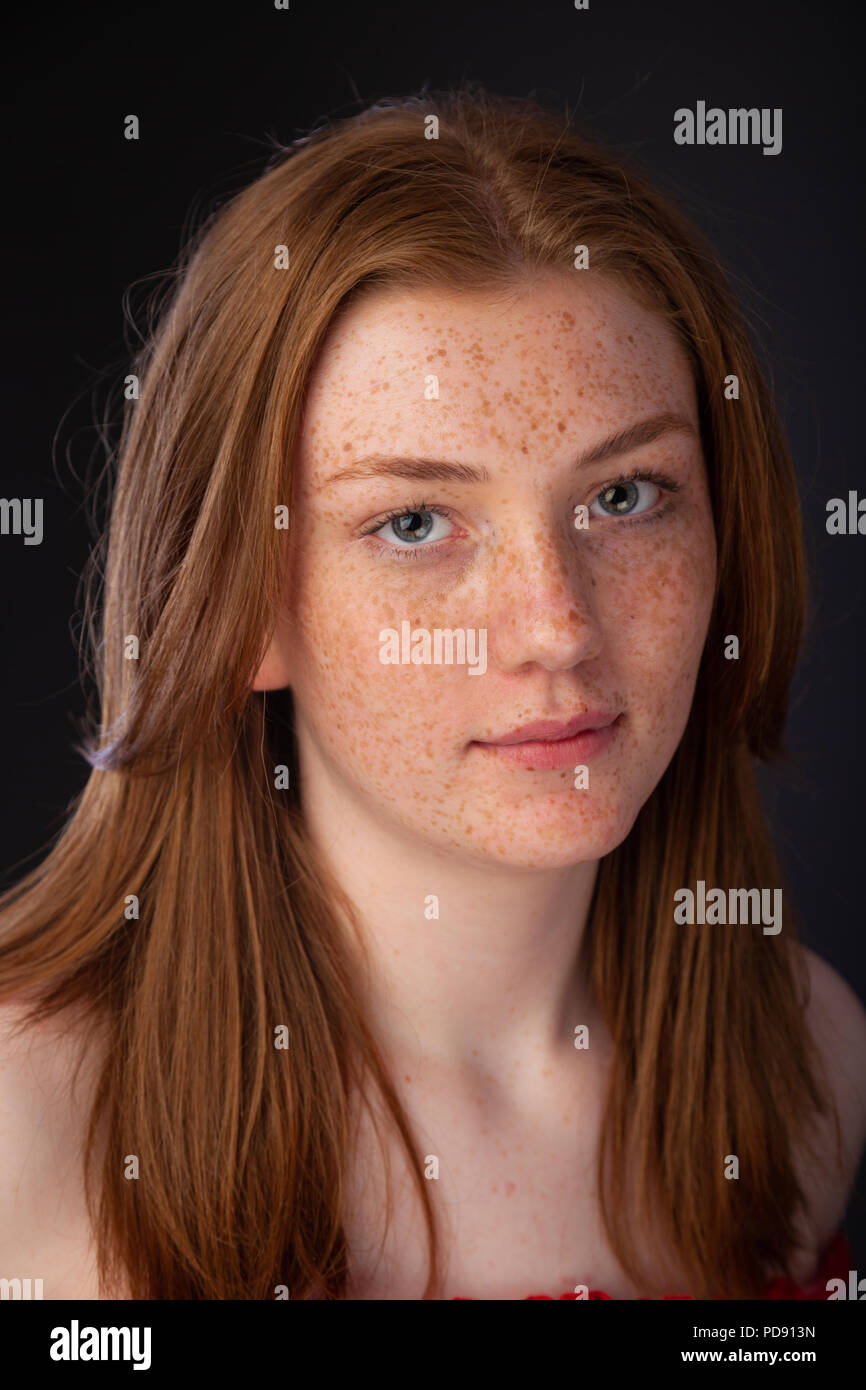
[
  {"x": 613, "y": 617},
  {"x": 477, "y": 1008}
]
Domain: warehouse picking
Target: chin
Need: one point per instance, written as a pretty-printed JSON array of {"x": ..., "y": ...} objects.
[{"x": 554, "y": 841}]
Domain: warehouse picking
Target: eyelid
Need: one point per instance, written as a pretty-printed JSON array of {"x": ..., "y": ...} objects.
[
  {"x": 645, "y": 475},
  {"x": 406, "y": 552},
  {"x": 639, "y": 475},
  {"x": 396, "y": 512},
  {"x": 649, "y": 475}
]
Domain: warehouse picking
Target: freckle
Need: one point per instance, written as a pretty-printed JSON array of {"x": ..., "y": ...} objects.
[
  {"x": 347, "y": 446},
  {"x": 560, "y": 425},
  {"x": 407, "y": 1078}
]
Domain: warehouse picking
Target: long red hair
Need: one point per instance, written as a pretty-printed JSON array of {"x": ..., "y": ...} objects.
[{"x": 244, "y": 1149}]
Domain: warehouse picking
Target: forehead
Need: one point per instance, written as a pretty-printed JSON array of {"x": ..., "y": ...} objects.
[{"x": 560, "y": 360}]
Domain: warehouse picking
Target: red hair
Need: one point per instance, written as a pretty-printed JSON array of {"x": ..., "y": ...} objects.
[{"x": 244, "y": 1149}]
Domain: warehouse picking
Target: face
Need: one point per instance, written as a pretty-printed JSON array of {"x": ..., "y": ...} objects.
[{"x": 459, "y": 471}]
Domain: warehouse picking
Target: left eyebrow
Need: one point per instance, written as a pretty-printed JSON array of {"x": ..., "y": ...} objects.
[
  {"x": 644, "y": 432},
  {"x": 445, "y": 471}
]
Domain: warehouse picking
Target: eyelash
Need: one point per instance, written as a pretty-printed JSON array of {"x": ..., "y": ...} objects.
[
  {"x": 644, "y": 475},
  {"x": 638, "y": 475},
  {"x": 400, "y": 552}
]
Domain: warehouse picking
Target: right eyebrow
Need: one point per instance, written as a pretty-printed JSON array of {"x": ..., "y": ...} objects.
[{"x": 421, "y": 469}]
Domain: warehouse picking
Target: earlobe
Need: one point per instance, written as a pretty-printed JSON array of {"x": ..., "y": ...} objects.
[{"x": 273, "y": 672}]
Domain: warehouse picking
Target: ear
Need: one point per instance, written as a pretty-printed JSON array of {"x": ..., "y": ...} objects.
[{"x": 273, "y": 672}]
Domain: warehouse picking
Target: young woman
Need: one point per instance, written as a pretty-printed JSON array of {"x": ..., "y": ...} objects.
[{"x": 454, "y": 580}]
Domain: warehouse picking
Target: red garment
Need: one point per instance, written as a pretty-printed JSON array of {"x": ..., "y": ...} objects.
[{"x": 835, "y": 1264}]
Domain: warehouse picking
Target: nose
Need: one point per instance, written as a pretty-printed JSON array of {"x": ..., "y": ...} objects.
[{"x": 541, "y": 602}]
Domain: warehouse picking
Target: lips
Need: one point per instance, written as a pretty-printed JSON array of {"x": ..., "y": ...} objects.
[
  {"x": 554, "y": 744},
  {"x": 552, "y": 730}
]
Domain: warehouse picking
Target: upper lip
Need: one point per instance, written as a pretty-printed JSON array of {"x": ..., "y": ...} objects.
[{"x": 554, "y": 729}]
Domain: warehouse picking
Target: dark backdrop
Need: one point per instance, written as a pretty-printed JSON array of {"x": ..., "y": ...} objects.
[{"x": 89, "y": 214}]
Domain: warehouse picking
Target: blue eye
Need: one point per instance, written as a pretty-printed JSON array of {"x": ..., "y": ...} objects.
[
  {"x": 633, "y": 496},
  {"x": 410, "y": 527}
]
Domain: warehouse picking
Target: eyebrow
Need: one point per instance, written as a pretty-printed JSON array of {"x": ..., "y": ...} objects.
[{"x": 445, "y": 471}]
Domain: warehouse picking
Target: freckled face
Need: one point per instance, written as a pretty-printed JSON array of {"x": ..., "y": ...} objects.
[{"x": 609, "y": 617}]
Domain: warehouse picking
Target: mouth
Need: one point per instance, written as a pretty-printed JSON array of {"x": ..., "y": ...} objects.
[{"x": 549, "y": 744}]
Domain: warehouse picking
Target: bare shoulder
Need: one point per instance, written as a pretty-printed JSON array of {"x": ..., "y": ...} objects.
[
  {"x": 38, "y": 1110},
  {"x": 44, "y": 1231},
  {"x": 40, "y": 1055},
  {"x": 836, "y": 1020}
]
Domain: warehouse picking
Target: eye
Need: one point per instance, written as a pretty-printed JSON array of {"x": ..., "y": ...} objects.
[
  {"x": 631, "y": 497},
  {"x": 412, "y": 527},
  {"x": 624, "y": 499}
]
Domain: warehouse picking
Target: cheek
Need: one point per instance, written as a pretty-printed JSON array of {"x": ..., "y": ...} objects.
[
  {"x": 369, "y": 712},
  {"x": 656, "y": 613}
]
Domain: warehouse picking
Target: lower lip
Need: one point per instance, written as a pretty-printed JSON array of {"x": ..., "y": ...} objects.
[{"x": 546, "y": 754}]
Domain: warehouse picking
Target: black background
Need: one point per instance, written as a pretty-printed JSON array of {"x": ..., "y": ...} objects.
[{"x": 90, "y": 214}]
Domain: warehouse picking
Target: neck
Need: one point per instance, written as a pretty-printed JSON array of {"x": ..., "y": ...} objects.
[{"x": 473, "y": 966}]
